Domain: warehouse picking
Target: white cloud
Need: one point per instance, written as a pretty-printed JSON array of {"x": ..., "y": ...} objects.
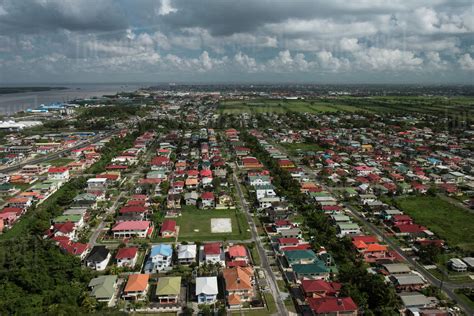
[
  {"x": 466, "y": 62},
  {"x": 379, "y": 59},
  {"x": 246, "y": 63},
  {"x": 349, "y": 44},
  {"x": 285, "y": 62},
  {"x": 166, "y": 8},
  {"x": 434, "y": 61},
  {"x": 327, "y": 61}
]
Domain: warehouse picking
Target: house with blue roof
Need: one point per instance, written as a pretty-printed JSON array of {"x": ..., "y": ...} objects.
[{"x": 160, "y": 259}]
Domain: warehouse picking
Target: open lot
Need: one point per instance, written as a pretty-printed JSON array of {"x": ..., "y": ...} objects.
[
  {"x": 296, "y": 148},
  {"x": 195, "y": 225},
  {"x": 279, "y": 106},
  {"x": 60, "y": 162},
  {"x": 451, "y": 223},
  {"x": 439, "y": 106}
]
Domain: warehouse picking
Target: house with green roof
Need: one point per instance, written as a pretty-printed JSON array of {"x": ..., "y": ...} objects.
[
  {"x": 168, "y": 290},
  {"x": 8, "y": 189},
  {"x": 347, "y": 228},
  {"x": 312, "y": 271},
  {"x": 85, "y": 200},
  {"x": 300, "y": 256},
  {"x": 103, "y": 288}
]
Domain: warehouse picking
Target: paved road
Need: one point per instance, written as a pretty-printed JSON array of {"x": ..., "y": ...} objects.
[
  {"x": 281, "y": 308},
  {"x": 100, "y": 227},
  {"x": 55, "y": 155},
  {"x": 111, "y": 209},
  {"x": 447, "y": 287}
]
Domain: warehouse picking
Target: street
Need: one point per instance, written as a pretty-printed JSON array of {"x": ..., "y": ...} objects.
[{"x": 261, "y": 251}]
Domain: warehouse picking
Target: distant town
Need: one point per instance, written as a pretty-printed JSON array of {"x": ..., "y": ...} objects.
[{"x": 241, "y": 200}]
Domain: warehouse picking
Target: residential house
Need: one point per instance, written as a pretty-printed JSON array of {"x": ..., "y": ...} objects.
[
  {"x": 320, "y": 288},
  {"x": 187, "y": 254},
  {"x": 137, "y": 287},
  {"x": 345, "y": 229},
  {"x": 239, "y": 285},
  {"x": 160, "y": 258},
  {"x": 407, "y": 282},
  {"x": 168, "y": 228},
  {"x": 132, "y": 229},
  {"x": 98, "y": 258},
  {"x": 127, "y": 257},
  {"x": 58, "y": 173},
  {"x": 96, "y": 184},
  {"x": 238, "y": 253},
  {"x": 103, "y": 288},
  {"x": 191, "y": 198},
  {"x": 206, "y": 290},
  {"x": 311, "y": 271},
  {"x": 207, "y": 200},
  {"x": 300, "y": 257},
  {"x": 168, "y": 290},
  {"x": 212, "y": 253},
  {"x": 457, "y": 265},
  {"x": 334, "y": 306}
]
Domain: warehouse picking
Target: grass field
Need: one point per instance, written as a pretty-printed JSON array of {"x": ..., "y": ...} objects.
[
  {"x": 451, "y": 223},
  {"x": 295, "y": 148},
  {"x": 195, "y": 225},
  {"x": 60, "y": 162},
  {"x": 463, "y": 107},
  {"x": 280, "y": 106}
]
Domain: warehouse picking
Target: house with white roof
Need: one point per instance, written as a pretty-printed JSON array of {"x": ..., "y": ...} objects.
[
  {"x": 187, "y": 254},
  {"x": 206, "y": 290}
]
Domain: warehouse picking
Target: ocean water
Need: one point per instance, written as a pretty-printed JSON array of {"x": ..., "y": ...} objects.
[{"x": 15, "y": 102}]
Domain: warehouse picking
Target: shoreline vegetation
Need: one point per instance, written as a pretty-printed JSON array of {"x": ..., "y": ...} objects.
[{"x": 9, "y": 90}]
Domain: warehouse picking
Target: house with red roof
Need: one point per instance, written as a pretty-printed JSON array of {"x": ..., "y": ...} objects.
[
  {"x": 212, "y": 253},
  {"x": 111, "y": 176},
  {"x": 58, "y": 173},
  {"x": 168, "y": 228},
  {"x": 287, "y": 242},
  {"x": 9, "y": 218},
  {"x": 401, "y": 219},
  {"x": 372, "y": 252},
  {"x": 237, "y": 253},
  {"x": 334, "y": 306},
  {"x": 127, "y": 257},
  {"x": 286, "y": 163},
  {"x": 320, "y": 288},
  {"x": 412, "y": 230},
  {"x": 66, "y": 229},
  {"x": 132, "y": 229},
  {"x": 132, "y": 212},
  {"x": 161, "y": 163},
  {"x": 251, "y": 163},
  {"x": 207, "y": 200},
  {"x": 282, "y": 224},
  {"x": 73, "y": 248}
]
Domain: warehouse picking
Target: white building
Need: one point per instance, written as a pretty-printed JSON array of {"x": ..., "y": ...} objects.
[
  {"x": 187, "y": 254},
  {"x": 206, "y": 290}
]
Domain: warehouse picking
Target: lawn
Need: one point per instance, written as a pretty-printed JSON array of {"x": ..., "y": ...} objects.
[
  {"x": 295, "y": 148},
  {"x": 281, "y": 106},
  {"x": 195, "y": 225},
  {"x": 60, "y": 162},
  {"x": 390, "y": 104},
  {"x": 449, "y": 222}
]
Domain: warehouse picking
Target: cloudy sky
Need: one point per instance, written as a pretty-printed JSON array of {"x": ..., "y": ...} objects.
[{"x": 360, "y": 41}]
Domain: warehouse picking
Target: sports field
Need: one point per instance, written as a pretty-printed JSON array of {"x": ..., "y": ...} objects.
[{"x": 195, "y": 225}]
